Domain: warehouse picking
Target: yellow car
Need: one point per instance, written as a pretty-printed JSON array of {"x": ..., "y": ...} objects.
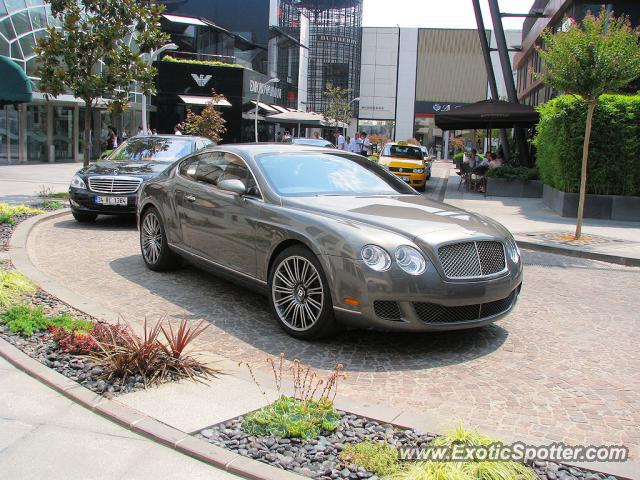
[{"x": 406, "y": 162}]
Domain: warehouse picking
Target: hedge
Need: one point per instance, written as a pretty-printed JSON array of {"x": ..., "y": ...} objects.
[{"x": 614, "y": 151}]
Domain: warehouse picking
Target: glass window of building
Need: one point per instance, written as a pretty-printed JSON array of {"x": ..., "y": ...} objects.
[
  {"x": 63, "y": 133},
  {"x": 37, "y": 133},
  {"x": 377, "y": 127}
]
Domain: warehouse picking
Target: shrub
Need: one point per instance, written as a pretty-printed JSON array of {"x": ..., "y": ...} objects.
[
  {"x": 25, "y": 320},
  {"x": 468, "y": 470},
  {"x": 13, "y": 285},
  {"x": 79, "y": 342},
  {"x": 291, "y": 417},
  {"x": 124, "y": 354},
  {"x": 613, "y": 167},
  {"x": 50, "y": 205},
  {"x": 514, "y": 173},
  {"x": 379, "y": 458},
  {"x": 458, "y": 157},
  {"x": 9, "y": 212},
  {"x": 305, "y": 413}
]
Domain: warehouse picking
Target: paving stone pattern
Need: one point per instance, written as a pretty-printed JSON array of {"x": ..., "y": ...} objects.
[{"x": 562, "y": 367}]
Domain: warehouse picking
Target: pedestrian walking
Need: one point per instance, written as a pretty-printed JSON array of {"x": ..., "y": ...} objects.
[
  {"x": 176, "y": 130},
  {"x": 353, "y": 146},
  {"x": 365, "y": 145},
  {"x": 340, "y": 142}
]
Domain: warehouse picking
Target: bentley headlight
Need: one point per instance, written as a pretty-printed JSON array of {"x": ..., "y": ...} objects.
[
  {"x": 418, "y": 170},
  {"x": 512, "y": 250},
  {"x": 77, "y": 182},
  {"x": 410, "y": 260},
  {"x": 376, "y": 258}
]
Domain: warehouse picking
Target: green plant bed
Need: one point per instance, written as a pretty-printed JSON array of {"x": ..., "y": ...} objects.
[
  {"x": 289, "y": 417},
  {"x": 25, "y": 320},
  {"x": 8, "y": 213},
  {"x": 377, "y": 457},
  {"x": 510, "y": 172},
  {"x": 13, "y": 285},
  {"x": 214, "y": 63},
  {"x": 613, "y": 167}
]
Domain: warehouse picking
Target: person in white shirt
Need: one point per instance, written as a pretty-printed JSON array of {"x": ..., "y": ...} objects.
[
  {"x": 366, "y": 145},
  {"x": 341, "y": 142},
  {"x": 176, "y": 130},
  {"x": 353, "y": 144}
]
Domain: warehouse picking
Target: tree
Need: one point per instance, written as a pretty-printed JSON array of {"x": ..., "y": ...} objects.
[
  {"x": 209, "y": 123},
  {"x": 96, "y": 52},
  {"x": 600, "y": 56},
  {"x": 339, "y": 109}
]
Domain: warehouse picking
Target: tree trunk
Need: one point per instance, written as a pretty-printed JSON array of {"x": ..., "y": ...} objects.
[
  {"x": 86, "y": 146},
  {"x": 583, "y": 174}
]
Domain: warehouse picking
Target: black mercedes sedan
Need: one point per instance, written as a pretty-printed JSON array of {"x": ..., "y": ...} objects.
[{"x": 110, "y": 186}]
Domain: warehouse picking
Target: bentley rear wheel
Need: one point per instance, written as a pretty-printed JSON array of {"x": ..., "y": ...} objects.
[{"x": 299, "y": 295}]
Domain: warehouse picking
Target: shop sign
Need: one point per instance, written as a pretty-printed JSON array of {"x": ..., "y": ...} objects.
[
  {"x": 201, "y": 80},
  {"x": 338, "y": 39},
  {"x": 270, "y": 90}
]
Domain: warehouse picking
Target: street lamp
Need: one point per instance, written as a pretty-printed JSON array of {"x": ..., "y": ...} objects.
[
  {"x": 273, "y": 80},
  {"x": 153, "y": 54}
]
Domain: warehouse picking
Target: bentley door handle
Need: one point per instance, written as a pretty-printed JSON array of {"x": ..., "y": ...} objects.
[{"x": 189, "y": 198}]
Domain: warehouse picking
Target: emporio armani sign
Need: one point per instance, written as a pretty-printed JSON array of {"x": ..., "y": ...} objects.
[{"x": 201, "y": 80}]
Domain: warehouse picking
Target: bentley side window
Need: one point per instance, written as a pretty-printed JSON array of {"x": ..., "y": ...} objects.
[
  {"x": 189, "y": 167},
  {"x": 217, "y": 166}
]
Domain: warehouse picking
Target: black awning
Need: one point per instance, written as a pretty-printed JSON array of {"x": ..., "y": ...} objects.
[
  {"x": 15, "y": 86},
  {"x": 488, "y": 114}
]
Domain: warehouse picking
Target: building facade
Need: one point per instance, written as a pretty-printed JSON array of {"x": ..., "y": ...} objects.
[
  {"x": 532, "y": 91},
  {"x": 335, "y": 33},
  {"x": 410, "y": 74}
]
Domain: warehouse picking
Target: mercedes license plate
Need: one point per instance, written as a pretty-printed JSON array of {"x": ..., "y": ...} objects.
[{"x": 117, "y": 201}]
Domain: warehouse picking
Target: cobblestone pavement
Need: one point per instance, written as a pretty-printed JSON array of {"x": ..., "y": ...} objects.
[{"x": 563, "y": 366}]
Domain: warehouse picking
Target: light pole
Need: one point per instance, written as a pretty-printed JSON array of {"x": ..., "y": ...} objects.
[
  {"x": 357, "y": 99},
  {"x": 153, "y": 54},
  {"x": 273, "y": 80}
]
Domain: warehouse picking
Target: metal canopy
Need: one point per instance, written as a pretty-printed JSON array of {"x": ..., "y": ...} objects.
[
  {"x": 199, "y": 100},
  {"x": 488, "y": 114},
  {"x": 15, "y": 86},
  {"x": 303, "y": 118}
]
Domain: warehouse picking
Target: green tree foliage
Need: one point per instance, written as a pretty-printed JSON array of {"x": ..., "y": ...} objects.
[
  {"x": 209, "y": 123},
  {"x": 339, "y": 109},
  {"x": 600, "y": 56},
  {"x": 90, "y": 55}
]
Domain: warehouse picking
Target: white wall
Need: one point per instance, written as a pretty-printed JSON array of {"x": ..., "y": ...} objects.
[
  {"x": 378, "y": 73},
  {"x": 304, "y": 63},
  {"x": 406, "y": 97}
]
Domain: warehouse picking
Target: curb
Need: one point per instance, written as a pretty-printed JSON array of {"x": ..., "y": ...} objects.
[
  {"x": 574, "y": 252},
  {"x": 142, "y": 424}
]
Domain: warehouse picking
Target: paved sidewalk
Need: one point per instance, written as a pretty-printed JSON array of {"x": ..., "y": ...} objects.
[
  {"x": 19, "y": 183},
  {"x": 531, "y": 221},
  {"x": 45, "y": 435}
]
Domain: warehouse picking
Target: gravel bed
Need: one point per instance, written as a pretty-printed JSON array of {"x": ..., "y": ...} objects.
[
  {"x": 78, "y": 368},
  {"x": 318, "y": 458}
]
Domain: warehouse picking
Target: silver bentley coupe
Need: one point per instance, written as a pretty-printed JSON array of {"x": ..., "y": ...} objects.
[{"x": 331, "y": 237}]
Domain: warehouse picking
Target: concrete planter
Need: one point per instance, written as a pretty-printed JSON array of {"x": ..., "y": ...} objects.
[
  {"x": 606, "y": 207},
  {"x": 503, "y": 187}
]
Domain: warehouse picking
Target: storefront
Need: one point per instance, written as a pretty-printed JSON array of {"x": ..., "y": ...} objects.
[{"x": 187, "y": 85}]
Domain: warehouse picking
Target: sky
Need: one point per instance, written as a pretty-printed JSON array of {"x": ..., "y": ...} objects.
[{"x": 438, "y": 13}]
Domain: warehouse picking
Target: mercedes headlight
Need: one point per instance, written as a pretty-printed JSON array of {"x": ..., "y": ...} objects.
[
  {"x": 376, "y": 258},
  {"x": 77, "y": 182},
  {"x": 512, "y": 249},
  {"x": 410, "y": 260}
]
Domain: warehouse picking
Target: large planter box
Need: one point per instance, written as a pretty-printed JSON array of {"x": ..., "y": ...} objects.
[
  {"x": 502, "y": 187},
  {"x": 606, "y": 207}
]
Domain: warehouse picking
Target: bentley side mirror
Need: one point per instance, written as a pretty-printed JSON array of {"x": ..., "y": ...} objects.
[{"x": 233, "y": 185}]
